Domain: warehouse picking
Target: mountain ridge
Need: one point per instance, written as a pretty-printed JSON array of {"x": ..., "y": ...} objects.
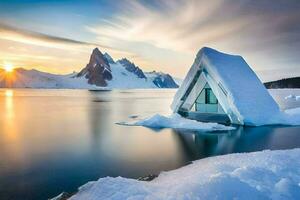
[{"x": 100, "y": 72}]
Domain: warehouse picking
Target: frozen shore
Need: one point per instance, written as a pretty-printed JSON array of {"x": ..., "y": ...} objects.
[{"x": 257, "y": 175}]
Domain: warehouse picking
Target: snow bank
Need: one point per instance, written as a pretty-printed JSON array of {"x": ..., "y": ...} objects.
[
  {"x": 258, "y": 175},
  {"x": 177, "y": 122}
]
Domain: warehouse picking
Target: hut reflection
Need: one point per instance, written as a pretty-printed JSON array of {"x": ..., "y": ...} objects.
[{"x": 244, "y": 139}]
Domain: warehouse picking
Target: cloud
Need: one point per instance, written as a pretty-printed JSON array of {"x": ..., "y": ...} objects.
[
  {"x": 179, "y": 25},
  {"x": 43, "y": 41},
  {"x": 184, "y": 25},
  {"x": 259, "y": 30},
  {"x": 34, "y": 38}
]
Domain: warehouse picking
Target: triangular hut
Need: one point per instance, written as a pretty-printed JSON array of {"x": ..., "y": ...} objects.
[{"x": 223, "y": 85}]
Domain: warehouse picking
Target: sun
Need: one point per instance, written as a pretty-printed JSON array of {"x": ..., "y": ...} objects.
[{"x": 8, "y": 67}]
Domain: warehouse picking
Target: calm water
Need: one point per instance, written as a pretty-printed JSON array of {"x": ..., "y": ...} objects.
[{"x": 56, "y": 140}]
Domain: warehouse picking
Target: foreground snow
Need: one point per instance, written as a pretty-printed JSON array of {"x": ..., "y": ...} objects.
[
  {"x": 258, "y": 175},
  {"x": 177, "y": 122}
]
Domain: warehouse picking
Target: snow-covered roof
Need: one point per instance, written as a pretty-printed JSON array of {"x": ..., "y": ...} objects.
[{"x": 239, "y": 91}]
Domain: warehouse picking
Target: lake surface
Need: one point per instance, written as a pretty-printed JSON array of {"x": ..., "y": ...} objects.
[{"x": 56, "y": 140}]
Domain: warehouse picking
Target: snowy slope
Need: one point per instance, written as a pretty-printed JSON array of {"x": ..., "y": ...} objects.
[
  {"x": 258, "y": 175},
  {"x": 123, "y": 78},
  {"x": 22, "y": 78}
]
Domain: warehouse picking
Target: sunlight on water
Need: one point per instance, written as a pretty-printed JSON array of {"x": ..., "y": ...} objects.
[
  {"x": 12, "y": 140},
  {"x": 9, "y": 93},
  {"x": 9, "y": 106}
]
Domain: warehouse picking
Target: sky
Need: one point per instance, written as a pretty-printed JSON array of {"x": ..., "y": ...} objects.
[{"x": 57, "y": 36}]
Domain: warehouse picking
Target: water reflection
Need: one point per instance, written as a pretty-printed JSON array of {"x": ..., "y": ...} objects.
[
  {"x": 9, "y": 107},
  {"x": 11, "y": 142},
  {"x": 243, "y": 139}
]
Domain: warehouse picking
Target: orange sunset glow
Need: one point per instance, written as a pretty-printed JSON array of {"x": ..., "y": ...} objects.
[{"x": 8, "y": 67}]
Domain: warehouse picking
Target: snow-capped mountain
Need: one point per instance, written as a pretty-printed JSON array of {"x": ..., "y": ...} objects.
[
  {"x": 97, "y": 71},
  {"x": 162, "y": 80},
  {"x": 101, "y": 72}
]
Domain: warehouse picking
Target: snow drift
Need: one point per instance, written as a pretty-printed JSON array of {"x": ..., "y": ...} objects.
[{"x": 258, "y": 175}]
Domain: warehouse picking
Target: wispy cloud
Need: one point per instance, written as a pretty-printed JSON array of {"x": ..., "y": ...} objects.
[
  {"x": 178, "y": 25},
  {"x": 173, "y": 26},
  {"x": 35, "y": 38}
]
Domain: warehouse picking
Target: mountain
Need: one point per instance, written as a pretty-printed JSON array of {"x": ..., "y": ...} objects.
[
  {"x": 162, "y": 80},
  {"x": 97, "y": 71},
  {"x": 284, "y": 83},
  {"x": 100, "y": 72}
]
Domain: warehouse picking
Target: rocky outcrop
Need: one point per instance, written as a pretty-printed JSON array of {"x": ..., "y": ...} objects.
[
  {"x": 131, "y": 67},
  {"x": 97, "y": 71}
]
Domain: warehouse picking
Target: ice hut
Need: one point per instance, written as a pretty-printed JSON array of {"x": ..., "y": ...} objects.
[{"x": 223, "y": 88}]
